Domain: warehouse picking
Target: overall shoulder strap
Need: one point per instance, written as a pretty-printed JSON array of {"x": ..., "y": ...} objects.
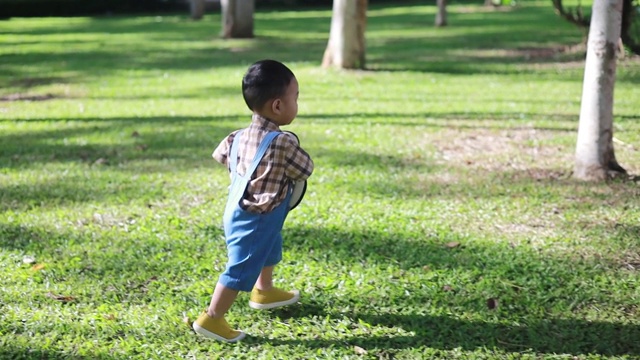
[
  {"x": 233, "y": 156},
  {"x": 264, "y": 145}
]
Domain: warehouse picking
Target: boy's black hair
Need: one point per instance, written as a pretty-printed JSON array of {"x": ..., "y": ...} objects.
[{"x": 265, "y": 80}]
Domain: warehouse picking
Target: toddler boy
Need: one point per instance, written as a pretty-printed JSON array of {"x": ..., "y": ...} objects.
[{"x": 263, "y": 163}]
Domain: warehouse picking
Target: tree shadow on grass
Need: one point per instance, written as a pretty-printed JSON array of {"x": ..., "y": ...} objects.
[
  {"x": 415, "y": 251},
  {"x": 551, "y": 280},
  {"x": 406, "y": 53},
  {"x": 544, "y": 280},
  {"x": 66, "y": 190},
  {"x": 476, "y": 120},
  {"x": 114, "y": 53},
  {"x": 501, "y": 181},
  {"x": 17, "y": 353},
  {"x": 191, "y": 139},
  {"x": 541, "y": 336},
  {"x": 125, "y": 275},
  {"x": 143, "y": 151}
]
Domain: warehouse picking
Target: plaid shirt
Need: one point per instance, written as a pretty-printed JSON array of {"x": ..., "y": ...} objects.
[{"x": 284, "y": 161}]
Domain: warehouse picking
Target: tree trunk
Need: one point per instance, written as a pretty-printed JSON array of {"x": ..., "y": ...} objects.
[
  {"x": 595, "y": 158},
  {"x": 346, "y": 47},
  {"x": 441, "y": 16},
  {"x": 237, "y": 18},
  {"x": 197, "y": 9}
]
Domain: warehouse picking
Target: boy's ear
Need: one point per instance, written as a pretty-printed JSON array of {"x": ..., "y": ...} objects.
[{"x": 276, "y": 106}]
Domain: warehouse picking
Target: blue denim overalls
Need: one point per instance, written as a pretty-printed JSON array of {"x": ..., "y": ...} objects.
[{"x": 253, "y": 240}]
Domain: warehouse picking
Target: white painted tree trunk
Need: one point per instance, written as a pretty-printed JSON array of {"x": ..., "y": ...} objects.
[
  {"x": 595, "y": 158},
  {"x": 237, "y": 18},
  {"x": 346, "y": 46},
  {"x": 441, "y": 15},
  {"x": 197, "y": 9}
]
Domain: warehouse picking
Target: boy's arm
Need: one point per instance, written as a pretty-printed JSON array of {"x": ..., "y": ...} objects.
[
  {"x": 221, "y": 153},
  {"x": 299, "y": 163}
]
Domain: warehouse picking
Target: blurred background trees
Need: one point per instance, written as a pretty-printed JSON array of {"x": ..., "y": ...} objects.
[
  {"x": 346, "y": 46},
  {"x": 629, "y": 25},
  {"x": 28, "y": 8},
  {"x": 24, "y": 8},
  {"x": 237, "y": 18}
]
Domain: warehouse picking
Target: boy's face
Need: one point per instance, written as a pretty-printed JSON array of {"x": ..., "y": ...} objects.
[{"x": 288, "y": 107}]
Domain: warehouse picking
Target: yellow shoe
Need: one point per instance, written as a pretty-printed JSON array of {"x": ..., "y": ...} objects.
[
  {"x": 272, "y": 298},
  {"x": 216, "y": 328}
]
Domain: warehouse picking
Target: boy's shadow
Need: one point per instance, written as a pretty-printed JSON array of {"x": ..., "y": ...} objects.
[
  {"x": 300, "y": 310},
  {"x": 551, "y": 336}
]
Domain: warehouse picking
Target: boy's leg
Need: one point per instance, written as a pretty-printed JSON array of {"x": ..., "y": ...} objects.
[
  {"x": 265, "y": 296},
  {"x": 221, "y": 301},
  {"x": 265, "y": 280},
  {"x": 211, "y": 323}
]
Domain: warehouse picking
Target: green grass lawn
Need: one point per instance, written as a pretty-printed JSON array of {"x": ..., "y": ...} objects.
[{"x": 441, "y": 220}]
